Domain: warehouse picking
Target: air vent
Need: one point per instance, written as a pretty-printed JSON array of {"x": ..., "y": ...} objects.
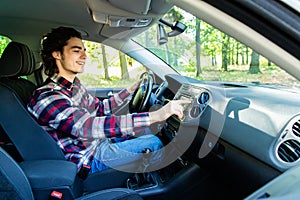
[
  {"x": 289, "y": 151},
  {"x": 296, "y": 128}
]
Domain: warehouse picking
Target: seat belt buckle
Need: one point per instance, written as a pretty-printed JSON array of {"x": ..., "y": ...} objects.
[{"x": 84, "y": 171}]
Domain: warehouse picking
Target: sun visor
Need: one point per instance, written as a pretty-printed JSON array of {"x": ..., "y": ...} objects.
[
  {"x": 138, "y": 7},
  {"x": 119, "y": 32}
]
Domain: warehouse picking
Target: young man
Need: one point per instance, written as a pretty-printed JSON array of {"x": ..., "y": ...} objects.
[{"x": 83, "y": 126}]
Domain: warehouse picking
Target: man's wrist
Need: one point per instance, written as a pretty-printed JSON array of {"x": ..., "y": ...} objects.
[
  {"x": 153, "y": 117},
  {"x": 157, "y": 116},
  {"x": 129, "y": 90}
]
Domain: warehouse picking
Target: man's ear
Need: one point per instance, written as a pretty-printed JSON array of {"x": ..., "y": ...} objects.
[{"x": 56, "y": 54}]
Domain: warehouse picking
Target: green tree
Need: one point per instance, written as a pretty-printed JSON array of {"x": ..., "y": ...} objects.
[
  {"x": 174, "y": 14},
  {"x": 198, "y": 47},
  {"x": 210, "y": 41},
  {"x": 93, "y": 50},
  {"x": 105, "y": 65},
  {"x": 123, "y": 65},
  {"x": 3, "y": 43},
  {"x": 254, "y": 65},
  {"x": 225, "y": 45},
  {"x": 247, "y": 55},
  {"x": 243, "y": 54},
  {"x": 237, "y": 52}
]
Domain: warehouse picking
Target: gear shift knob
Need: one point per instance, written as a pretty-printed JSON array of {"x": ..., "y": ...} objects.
[
  {"x": 146, "y": 151},
  {"x": 146, "y": 158},
  {"x": 143, "y": 178}
]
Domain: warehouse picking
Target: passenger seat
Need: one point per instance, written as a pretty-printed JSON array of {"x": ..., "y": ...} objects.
[
  {"x": 15, "y": 185},
  {"x": 16, "y": 62}
]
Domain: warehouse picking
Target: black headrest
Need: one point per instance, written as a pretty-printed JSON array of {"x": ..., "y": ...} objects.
[{"x": 17, "y": 60}]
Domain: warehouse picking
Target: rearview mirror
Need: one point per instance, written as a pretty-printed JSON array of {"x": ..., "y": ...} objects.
[
  {"x": 162, "y": 36},
  {"x": 177, "y": 28}
]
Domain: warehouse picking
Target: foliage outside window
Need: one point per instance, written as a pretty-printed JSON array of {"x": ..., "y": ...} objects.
[
  {"x": 205, "y": 53},
  {"x": 3, "y": 43},
  {"x": 108, "y": 67}
]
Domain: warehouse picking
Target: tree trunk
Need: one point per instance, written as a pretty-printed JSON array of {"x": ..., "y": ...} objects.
[
  {"x": 254, "y": 65},
  {"x": 198, "y": 48},
  {"x": 215, "y": 60},
  {"x": 105, "y": 66},
  {"x": 225, "y": 43},
  {"x": 123, "y": 65},
  {"x": 247, "y": 55},
  {"x": 243, "y": 55},
  {"x": 237, "y": 54},
  {"x": 231, "y": 49}
]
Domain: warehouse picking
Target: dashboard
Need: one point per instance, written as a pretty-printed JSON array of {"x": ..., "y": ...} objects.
[{"x": 261, "y": 121}]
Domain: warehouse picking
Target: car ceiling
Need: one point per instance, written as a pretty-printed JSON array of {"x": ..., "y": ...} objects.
[{"x": 27, "y": 20}]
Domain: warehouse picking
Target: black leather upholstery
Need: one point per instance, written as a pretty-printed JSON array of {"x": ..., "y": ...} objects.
[
  {"x": 31, "y": 141},
  {"x": 15, "y": 185},
  {"x": 13, "y": 182},
  {"x": 51, "y": 173},
  {"x": 17, "y": 60}
]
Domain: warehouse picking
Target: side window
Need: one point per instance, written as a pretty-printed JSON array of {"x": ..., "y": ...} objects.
[
  {"x": 107, "y": 67},
  {"x": 3, "y": 43},
  {"x": 206, "y": 53}
]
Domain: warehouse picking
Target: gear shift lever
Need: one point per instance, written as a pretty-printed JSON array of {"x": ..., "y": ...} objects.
[
  {"x": 146, "y": 162},
  {"x": 146, "y": 158},
  {"x": 144, "y": 178}
]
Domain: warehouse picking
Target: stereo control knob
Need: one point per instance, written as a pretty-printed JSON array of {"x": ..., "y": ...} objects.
[{"x": 195, "y": 111}]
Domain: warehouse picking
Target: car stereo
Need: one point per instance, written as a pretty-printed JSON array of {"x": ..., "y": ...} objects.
[{"x": 199, "y": 98}]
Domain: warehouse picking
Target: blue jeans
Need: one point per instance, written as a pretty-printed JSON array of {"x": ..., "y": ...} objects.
[{"x": 110, "y": 155}]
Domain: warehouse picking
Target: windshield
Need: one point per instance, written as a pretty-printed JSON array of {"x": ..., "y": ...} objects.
[{"x": 206, "y": 53}]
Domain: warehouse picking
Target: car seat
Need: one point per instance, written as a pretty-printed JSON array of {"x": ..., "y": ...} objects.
[
  {"x": 15, "y": 185},
  {"x": 31, "y": 141},
  {"x": 16, "y": 61}
]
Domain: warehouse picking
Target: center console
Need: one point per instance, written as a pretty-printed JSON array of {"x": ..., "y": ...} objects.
[
  {"x": 172, "y": 182},
  {"x": 199, "y": 97},
  {"x": 181, "y": 175}
]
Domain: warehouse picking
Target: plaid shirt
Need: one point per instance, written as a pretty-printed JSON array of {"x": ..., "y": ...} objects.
[{"x": 78, "y": 121}]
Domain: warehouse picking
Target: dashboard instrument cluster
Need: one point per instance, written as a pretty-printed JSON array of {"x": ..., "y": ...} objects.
[{"x": 199, "y": 98}]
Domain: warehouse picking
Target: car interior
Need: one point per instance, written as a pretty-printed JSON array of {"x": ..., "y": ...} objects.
[{"x": 217, "y": 151}]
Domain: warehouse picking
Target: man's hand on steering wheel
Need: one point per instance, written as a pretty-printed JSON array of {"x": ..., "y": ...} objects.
[
  {"x": 142, "y": 93},
  {"x": 131, "y": 89}
]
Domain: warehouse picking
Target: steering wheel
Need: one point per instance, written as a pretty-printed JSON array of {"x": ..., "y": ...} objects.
[{"x": 142, "y": 95}]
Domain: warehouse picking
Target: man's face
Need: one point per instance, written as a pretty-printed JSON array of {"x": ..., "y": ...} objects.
[{"x": 72, "y": 60}]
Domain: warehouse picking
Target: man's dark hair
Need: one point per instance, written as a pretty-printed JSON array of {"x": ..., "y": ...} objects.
[{"x": 55, "y": 41}]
